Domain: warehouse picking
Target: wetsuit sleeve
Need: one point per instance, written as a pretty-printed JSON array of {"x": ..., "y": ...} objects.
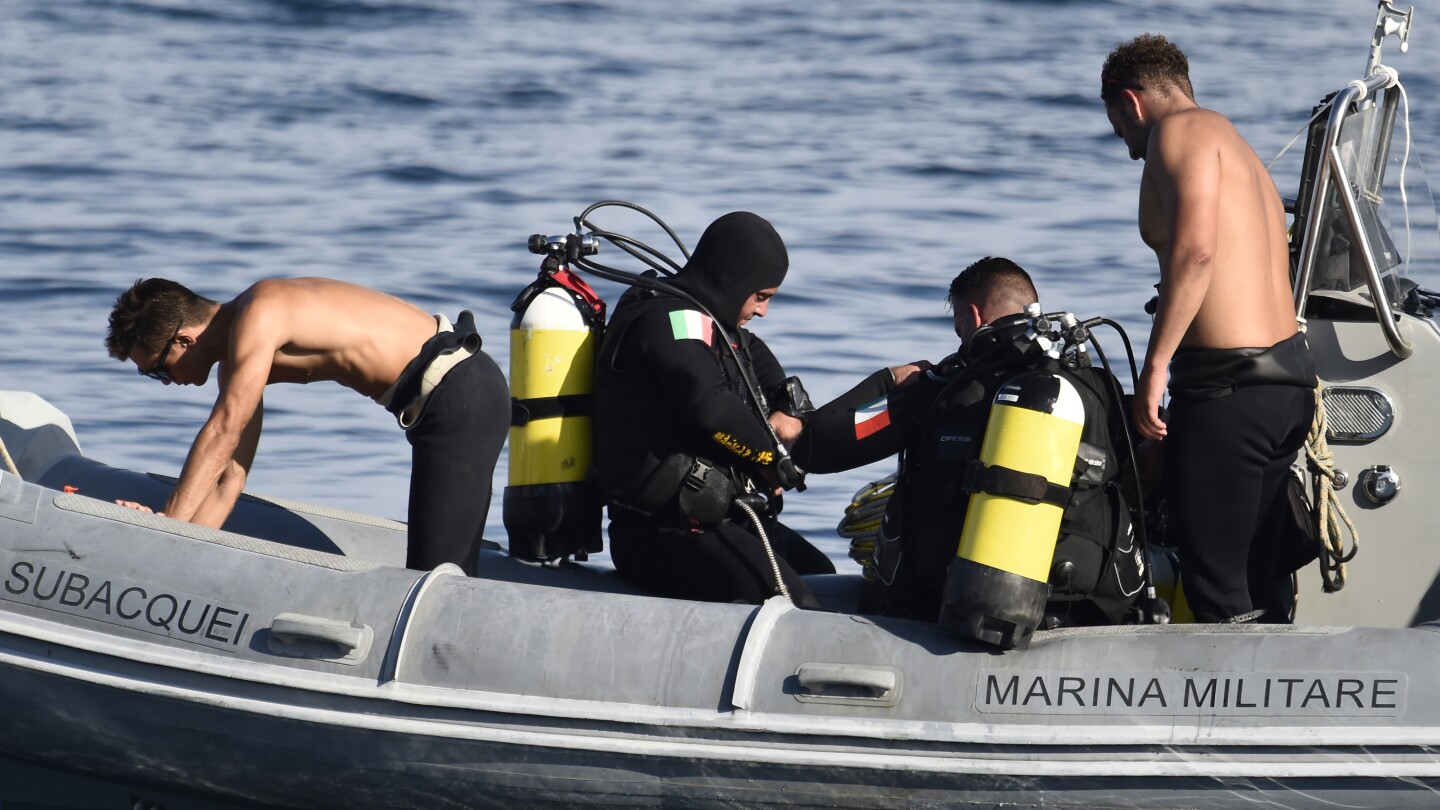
[
  {"x": 861, "y": 426},
  {"x": 675, "y": 346}
]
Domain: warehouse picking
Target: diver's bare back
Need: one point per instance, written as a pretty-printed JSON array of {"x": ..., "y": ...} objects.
[
  {"x": 1248, "y": 301},
  {"x": 333, "y": 330}
]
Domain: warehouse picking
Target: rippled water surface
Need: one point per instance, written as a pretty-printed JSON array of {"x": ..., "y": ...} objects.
[{"x": 414, "y": 145}]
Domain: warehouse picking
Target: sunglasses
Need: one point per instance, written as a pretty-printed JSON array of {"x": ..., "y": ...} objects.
[{"x": 159, "y": 371}]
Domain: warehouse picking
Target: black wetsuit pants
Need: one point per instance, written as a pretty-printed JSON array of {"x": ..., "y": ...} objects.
[
  {"x": 727, "y": 564},
  {"x": 1226, "y": 465},
  {"x": 455, "y": 445}
]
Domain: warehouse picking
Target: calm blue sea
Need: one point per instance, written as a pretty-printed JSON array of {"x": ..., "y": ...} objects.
[{"x": 414, "y": 145}]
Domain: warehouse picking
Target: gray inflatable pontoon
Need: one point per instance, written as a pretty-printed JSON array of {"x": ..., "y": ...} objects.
[{"x": 290, "y": 662}]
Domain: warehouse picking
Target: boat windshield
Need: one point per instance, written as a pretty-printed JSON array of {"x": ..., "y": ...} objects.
[{"x": 1394, "y": 205}]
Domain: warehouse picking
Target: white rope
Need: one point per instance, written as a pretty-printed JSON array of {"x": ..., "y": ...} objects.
[
  {"x": 1404, "y": 163},
  {"x": 1306, "y": 128}
]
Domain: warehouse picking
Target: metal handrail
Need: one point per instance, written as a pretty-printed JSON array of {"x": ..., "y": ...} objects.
[{"x": 1329, "y": 170}]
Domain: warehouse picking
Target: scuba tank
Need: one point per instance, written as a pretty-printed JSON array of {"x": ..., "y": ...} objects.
[
  {"x": 552, "y": 507},
  {"x": 997, "y": 586},
  {"x": 1029, "y": 475}
]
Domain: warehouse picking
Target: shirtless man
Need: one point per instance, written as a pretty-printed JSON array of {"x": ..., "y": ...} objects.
[
  {"x": 1241, "y": 378},
  {"x": 449, "y": 396}
]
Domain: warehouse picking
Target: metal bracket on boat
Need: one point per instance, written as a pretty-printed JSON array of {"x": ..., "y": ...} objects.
[
  {"x": 296, "y": 635},
  {"x": 1389, "y": 20},
  {"x": 1379, "y": 484}
]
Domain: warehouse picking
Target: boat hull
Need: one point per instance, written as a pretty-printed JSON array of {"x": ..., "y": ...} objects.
[{"x": 245, "y": 756}]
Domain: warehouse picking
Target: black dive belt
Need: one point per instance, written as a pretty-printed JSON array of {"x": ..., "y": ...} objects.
[
  {"x": 524, "y": 411},
  {"x": 1010, "y": 483}
]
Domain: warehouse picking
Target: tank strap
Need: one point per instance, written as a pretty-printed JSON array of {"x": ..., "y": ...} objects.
[
  {"x": 524, "y": 411},
  {"x": 977, "y": 476}
]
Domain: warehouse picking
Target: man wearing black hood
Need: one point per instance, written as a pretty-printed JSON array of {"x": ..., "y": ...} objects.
[{"x": 679, "y": 433}]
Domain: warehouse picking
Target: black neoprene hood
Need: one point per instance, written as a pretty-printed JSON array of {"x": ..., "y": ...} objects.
[{"x": 737, "y": 256}]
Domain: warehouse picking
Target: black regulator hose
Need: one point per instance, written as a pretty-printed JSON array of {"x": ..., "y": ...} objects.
[
  {"x": 584, "y": 221},
  {"x": 1159, "y": 610},
  {"x": 1124, "y": 338}
]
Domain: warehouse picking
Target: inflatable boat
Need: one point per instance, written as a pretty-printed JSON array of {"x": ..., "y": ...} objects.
[{"x": 290, "y": 661}]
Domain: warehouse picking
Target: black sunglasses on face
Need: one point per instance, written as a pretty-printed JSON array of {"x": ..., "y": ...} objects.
[{"x": 159, "y": 371}]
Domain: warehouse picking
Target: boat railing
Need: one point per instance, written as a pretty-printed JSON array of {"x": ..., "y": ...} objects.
[{"x": 1331, "y": 173}]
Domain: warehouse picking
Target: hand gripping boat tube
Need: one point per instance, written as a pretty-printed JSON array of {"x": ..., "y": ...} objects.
[
  {"x": 997, "y": 585},
  {"x": 552, "y": 508}
]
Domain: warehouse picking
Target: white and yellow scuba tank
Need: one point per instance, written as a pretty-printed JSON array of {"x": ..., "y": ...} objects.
[
  {"x": 997, "y": 585},
  {"x": 551, "y": 507}
]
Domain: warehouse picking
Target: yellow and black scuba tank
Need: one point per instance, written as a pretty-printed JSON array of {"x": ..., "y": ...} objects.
[
  {"x": 997, "y": 586},
  {"x": 552, "y": 505}
]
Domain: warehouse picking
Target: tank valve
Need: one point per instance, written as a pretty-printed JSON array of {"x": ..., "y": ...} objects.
[{"x": 1380, "y": 484}]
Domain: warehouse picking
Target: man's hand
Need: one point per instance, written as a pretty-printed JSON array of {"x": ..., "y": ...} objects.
[
  {"x": 139, "y": 507},
  {"x": 788, "y": 475},
  {"x": 1146, "y": 406},
  {"x": 904, "y": 373},
  {"x": 787, "y": 428}
]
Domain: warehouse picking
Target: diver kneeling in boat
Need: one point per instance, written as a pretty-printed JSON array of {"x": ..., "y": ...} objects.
[
  {"x": 936, "y": 417},
  {"x": 680, "y": 427},
  {"x": 447, "y": 394}
]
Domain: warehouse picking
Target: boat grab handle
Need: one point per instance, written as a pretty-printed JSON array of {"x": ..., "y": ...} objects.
[
  {"x": 848, "y": 683},
  {"x": 301, "y": 636}
]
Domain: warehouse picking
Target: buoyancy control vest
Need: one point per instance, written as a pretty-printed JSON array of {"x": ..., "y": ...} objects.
[{"x": 677, "y": 433}]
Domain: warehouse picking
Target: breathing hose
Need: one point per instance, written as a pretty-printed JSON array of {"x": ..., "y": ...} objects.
[
  {"x": 765, "y": 539},
  {"x": 1159, "y": 609}
]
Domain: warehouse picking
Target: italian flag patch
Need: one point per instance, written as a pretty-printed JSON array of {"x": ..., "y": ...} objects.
[
  {"x": 872, "y": 418},
  {"x": 687, "y": 324}
]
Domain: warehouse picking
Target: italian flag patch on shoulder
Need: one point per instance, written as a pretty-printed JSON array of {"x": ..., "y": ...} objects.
[
  {"x": 872, "y": 418},
  {"x": 687, "y": 324}
]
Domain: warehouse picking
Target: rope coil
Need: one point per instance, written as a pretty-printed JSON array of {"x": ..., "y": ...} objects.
[
  {"x": 861, "y": 523},
  {"x": 1326, "y": 505}
]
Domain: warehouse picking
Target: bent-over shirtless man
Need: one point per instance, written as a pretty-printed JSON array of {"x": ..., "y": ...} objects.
[
  {"x": 449, "y": 395},
  {"x": 1241, "y": 377}
]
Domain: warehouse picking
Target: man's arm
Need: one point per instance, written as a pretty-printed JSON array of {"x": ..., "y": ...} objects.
[
  {"x": 1186, "y": 187},
  {"x": 770, "y": 376},
  {"x": 200, "y": 496},
  {"x": 217, "y": 508},
  {"x": 858, "y": 427}
]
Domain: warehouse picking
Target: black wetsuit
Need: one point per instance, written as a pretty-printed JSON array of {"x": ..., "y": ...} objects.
[
  {"x": 668, "y": 392},
  {"x": 1238, "y": 418},
  {"x": 455, "y": 441},
  {"x": 938, "y": 421}
]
